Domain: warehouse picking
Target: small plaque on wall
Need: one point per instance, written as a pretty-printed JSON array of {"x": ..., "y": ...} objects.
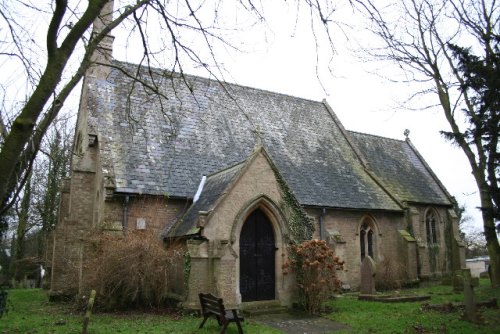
[{"x": 141, "y": 224}]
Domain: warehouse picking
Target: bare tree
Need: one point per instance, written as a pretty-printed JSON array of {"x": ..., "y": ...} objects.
[
  {"x": 52, "y": 71},
  {"x": 35, "y": 212},
  {"x": 418, "y": 35},
  {"x": 50, "y": 169}
]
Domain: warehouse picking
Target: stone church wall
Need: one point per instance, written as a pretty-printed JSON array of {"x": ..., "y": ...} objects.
[
  {"x": 445, "y": 256},
  {"x": 142, "y": 212},
  {"x": 341, "y": 229},
  {"x": 399, "y": 240}
]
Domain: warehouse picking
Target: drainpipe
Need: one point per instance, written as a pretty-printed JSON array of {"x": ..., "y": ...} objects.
[
  {"x": 321, "y": 216},
  {"x": 125, "y": 213}
]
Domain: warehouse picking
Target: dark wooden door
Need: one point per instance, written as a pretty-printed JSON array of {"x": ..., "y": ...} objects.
[{"x": 257, "y": 258}]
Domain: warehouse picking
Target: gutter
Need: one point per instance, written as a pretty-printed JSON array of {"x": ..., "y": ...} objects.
[
  {"x": 125, "y": 213},
  {"x": 321, "y": 223}
]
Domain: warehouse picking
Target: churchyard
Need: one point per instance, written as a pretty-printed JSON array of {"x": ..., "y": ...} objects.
[{"x": 29, "y": 311}]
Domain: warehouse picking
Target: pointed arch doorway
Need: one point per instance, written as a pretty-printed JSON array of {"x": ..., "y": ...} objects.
[{"x": 257, "y": 258}]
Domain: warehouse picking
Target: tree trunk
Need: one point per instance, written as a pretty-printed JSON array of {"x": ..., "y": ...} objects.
[
  {"x": 25, "y": 124},
  {"x": 493, "y": 248},
  {"x": 494, "y": 252},
  {"x": 21, "y": 230}
]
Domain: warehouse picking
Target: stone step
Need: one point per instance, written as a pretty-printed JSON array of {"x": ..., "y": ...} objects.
[{"x": 263, "y": 307}]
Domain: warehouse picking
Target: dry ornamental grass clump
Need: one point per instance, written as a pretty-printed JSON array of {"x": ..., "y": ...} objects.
[
  {"x": 131, "y": 270},
  {"x": 390, "y": 274}
]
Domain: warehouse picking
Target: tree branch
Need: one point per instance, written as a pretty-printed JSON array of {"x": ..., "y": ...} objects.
[{"x": 54, "y": 25}]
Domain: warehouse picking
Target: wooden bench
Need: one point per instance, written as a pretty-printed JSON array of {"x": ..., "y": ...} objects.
[{"x": 214, "y": 306}]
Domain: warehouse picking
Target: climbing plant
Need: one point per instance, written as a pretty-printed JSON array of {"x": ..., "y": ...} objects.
[
  {"x": 312, "y": 261},
  {"x": 300, "y": 225},
  {"x": 187, "y": 269}
]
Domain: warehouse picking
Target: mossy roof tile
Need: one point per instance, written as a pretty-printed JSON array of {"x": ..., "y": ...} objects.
[{"x": 207, "y": 126}]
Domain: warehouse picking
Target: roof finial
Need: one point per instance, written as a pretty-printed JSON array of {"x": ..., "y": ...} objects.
[
  {"x": 407, "y": 133},
  {"x": 258, "y": 132}
]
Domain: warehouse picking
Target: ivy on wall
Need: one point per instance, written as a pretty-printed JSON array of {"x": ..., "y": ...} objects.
[
  {"x": 300, "y": 225},
  {"x": 187, "y": 269}
]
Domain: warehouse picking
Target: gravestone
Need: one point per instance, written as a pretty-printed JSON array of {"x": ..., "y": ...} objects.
[
  {"x": 367, "y": 286},
  {"x": 471, "y": 314},
  {"x": 458, "y": 282}
]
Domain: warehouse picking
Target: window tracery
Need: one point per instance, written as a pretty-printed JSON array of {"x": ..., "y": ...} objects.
[
  {"x": 431, "y": 226},
  {"x": 366, "y": 240}
]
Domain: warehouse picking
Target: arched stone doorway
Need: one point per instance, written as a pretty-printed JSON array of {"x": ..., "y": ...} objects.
[{"x": 257, "y": 258}]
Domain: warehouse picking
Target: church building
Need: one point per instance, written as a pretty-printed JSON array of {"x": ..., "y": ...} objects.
[{"x": 236, "y": 174}]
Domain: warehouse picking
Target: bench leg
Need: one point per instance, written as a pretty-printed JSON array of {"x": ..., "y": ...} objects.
[
  {"x": 203, "y": 322},
  {"x": 237, "y": 320},
  {"x": 223, "y": 330},
  {"x": 240, "y": 330}
]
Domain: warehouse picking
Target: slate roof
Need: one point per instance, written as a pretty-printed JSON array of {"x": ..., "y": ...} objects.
[
  {"x": 153, "y": 145},
  {"x": 401, "y": 169},
  {"x": 213, "y": 189}
]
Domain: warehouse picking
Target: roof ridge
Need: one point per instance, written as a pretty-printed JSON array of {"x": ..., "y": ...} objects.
[
  {"x": 228, "y": 168},
  {"x": 431, "y": 172},
  {"x": 231, "y": 84},
  {"x": 377, "y": 136}
]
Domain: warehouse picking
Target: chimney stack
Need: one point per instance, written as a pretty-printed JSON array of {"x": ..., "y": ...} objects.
[{"x": 103, "y": 54}]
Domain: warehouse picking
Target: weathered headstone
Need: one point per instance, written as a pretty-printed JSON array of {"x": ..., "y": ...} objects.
[
  {"x": 88, "y": 312},
  {"x": 458, "y": 282},
  {"x": 367, "y": 276},
  {"x": 471, "y": 314}
]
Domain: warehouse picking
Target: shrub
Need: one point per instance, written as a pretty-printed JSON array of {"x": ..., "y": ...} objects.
[
  {"x": 132, "y": 270},
  {"x": 390, "y": 274},
  {"x": 315, "y": 266}
]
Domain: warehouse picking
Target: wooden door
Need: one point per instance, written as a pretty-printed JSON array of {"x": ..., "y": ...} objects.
[{"x": 257, "y": 258}]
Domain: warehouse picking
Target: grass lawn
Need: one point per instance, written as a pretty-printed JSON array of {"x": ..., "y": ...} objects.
[
  {"x": 30, "y": 312},
  {"x": 376, "y": 317}
]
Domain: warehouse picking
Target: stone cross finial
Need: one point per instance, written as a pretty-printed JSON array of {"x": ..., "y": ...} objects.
[
  {"x": 258, "y": 132},
  {"x": 406, "y": 133}
]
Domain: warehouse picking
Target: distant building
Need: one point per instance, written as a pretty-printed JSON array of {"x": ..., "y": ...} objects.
[{"x": 478, "y": 265}]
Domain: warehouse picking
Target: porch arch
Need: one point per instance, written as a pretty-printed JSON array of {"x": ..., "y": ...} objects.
[
  {"x": 276, "y": 221},
  {"x": 271, "y": 210}
]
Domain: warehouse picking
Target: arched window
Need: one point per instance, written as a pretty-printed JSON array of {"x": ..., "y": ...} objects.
[
  {"x": 430, "y": 226},
  {"x": 366, "y": 240}
]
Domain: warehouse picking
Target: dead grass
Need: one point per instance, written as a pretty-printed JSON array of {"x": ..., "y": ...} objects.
[
  {"x": 131, "y": 271},
  {"x": 390, "y": 274}
]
